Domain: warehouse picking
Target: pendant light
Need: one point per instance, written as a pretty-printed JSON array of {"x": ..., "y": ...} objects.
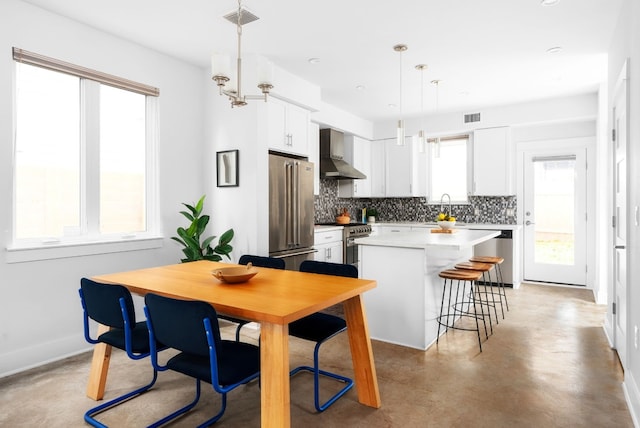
[
  {"x": 436, "y": 141},
  {"x": 400, "y": 130},
  {"x": 421, "y": 137},
  {"x": 221, "y": 65}
]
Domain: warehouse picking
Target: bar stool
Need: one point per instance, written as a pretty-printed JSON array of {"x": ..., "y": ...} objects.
[
  {"x": 496, "y": 262},
  {"x": 457, "y": 309},
  {"x": 484, "y": 269}
]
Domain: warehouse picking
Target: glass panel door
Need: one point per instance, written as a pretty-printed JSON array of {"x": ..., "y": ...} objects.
[{"x": 555, "y": 217}]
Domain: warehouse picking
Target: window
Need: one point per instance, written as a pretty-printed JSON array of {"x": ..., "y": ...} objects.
[
  {"x": 83, "y": 154},
  {"x": 449, "y": 168}
]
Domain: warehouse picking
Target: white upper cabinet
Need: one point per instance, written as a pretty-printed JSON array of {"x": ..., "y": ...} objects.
[
  {"x": 492, "y": 162},
  {"x": 377, "y": 177},
  {"x": 357, "y": 152},
  {"x": 399, "y": 168},
  {"x": 287, "y": 127},
  {"x": 394, "y": 169}
]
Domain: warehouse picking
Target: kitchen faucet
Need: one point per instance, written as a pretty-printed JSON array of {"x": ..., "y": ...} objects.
[{"x": 441, "y": 203}]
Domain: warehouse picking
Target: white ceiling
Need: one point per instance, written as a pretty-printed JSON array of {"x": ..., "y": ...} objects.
[{"x": 486, "y": 52}]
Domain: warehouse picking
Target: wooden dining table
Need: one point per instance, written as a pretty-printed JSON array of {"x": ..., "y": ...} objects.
[{"x": 273, "y": 298}]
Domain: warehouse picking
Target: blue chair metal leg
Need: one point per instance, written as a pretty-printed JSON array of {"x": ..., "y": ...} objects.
[
  {"x": 182, "y": 410},
  {"x": 89, "y": 415},
  {"x": 316, "y": 381}
]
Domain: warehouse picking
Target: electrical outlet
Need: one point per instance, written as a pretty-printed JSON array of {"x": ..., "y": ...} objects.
[{"x": 635, "y": 338}]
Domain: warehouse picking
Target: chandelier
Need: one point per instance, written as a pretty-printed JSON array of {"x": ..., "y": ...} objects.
[{"x": 220, "y": 64}]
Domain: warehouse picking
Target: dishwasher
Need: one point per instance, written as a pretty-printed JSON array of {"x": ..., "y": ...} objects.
[{"x": 500, "y": 246}]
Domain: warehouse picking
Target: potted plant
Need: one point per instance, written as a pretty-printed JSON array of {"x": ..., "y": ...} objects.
[
  {"x": 371, "y": 215},
  {"x": 190, "y": 237}
]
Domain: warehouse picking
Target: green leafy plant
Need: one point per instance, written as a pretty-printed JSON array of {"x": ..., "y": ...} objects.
[
  {"x": 372, "y": 212},
  {"x": 190, "y": 237}
]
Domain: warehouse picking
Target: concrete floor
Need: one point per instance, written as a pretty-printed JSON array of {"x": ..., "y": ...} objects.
[{"x": 548, "y": 364}]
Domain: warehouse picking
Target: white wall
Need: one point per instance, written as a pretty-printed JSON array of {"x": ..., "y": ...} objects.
[
  {"x": 40, "y": 314},
  {"x": 626, "y": 45},
  {"x": 578, "y": 108}
]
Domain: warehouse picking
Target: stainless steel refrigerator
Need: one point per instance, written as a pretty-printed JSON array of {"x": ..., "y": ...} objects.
[{"x": 290, "y": 210}]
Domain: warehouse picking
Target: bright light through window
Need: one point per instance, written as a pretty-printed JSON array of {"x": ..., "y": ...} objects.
[
  {"x": 81, "y": 167},
  {"x": 122, "y": 161},
  {"x": 449, "y": 170},
  {"x": 47, "y": 157}
]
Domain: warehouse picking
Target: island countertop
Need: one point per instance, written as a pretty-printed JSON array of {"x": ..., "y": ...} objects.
[{"x": 459, "y": 239}]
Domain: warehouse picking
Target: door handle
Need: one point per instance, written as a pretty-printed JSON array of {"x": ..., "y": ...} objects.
[
  {"x": 527, "y": 223},
  {"x": 620, "y": 247}
]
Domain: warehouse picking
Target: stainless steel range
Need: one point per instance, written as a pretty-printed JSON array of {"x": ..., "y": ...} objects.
[{"x": 350, "y": 232}]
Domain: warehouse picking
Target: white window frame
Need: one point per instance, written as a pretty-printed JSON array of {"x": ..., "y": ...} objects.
[
  {"x": 91, "y": 242},
  {"x": 435, "y": 199}
]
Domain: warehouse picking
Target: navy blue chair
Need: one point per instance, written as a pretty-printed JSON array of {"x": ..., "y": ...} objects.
[
  {"x": 191, "y": 327},
  {"x": 260, "y": 261},
  {"x": 112, "y": 305},
  {"x": 320, "y": 327}
]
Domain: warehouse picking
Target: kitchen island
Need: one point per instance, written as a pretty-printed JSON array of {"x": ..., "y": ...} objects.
[{"x": 404, "y": 306}]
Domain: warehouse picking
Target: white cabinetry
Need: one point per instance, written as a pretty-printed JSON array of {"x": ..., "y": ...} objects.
[
  {"x": 399, "y": 168},
  {"x": 287, "y": 127},
  {"x": 357, "y": 152},
  {"x": 394, "y": 170},
  {"x": 492, "y": 162},
  {"x": 329, "y": 245},
  {"x": 377, "y": 177}
]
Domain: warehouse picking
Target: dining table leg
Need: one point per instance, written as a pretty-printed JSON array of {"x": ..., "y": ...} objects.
[
  {"x": 274, "y": 376},
  {"x": 361, "y": 353},
  {"x": 99, "y": 367}
]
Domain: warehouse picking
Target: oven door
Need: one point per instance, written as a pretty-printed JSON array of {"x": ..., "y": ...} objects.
[{"x": 351, "y": 252}]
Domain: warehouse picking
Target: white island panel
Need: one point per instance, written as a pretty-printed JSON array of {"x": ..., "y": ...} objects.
[{"x": 403, "y": 308}]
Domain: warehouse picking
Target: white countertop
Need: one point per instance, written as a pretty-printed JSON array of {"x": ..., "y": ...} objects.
[
  {"x": 480, "y": 226},
  {"x": 461, "y": 238}
]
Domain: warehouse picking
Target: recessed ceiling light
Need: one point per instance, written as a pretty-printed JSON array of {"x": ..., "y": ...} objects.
[
  {"x": 314, "y": 60},
  {"x": 392, "y": 105},
  {"x": 361, "y": 87},
  {"x": 549, "y": 2},
  {"x": 554, "y": 49}
]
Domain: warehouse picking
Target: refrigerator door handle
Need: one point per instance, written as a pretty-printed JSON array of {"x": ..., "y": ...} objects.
[
  {"x": 288, "y": 202},
  {"x": 296, "y": 203}
]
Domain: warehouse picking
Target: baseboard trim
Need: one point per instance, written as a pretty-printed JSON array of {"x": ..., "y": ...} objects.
[
  {"x": 44, "y": 353},
  {"x": 632, "y": 396}
]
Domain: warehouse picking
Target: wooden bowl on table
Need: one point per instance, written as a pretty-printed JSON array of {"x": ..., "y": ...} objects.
[{"x": 235, "y": 275}]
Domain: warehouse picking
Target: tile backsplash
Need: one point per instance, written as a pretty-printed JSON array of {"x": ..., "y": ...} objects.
[{"x": 480, "y": 209}]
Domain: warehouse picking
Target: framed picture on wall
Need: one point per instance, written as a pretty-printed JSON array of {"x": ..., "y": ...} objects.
[{"x": 227, "y": 168}]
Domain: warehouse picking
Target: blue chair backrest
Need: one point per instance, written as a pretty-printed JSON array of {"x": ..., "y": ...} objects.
[
  {"x": 338, "y": 269},
  {"x": 179, "y": 324},
  {"x": 102, "y": 303},
  {"x": 261, "y": 261}
]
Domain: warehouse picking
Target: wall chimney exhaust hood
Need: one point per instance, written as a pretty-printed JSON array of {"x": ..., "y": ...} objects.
[{"x": 332, "y": 164}]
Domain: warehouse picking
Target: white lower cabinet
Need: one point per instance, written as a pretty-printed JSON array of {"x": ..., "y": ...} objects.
[{"x": 328, "y": 244}]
